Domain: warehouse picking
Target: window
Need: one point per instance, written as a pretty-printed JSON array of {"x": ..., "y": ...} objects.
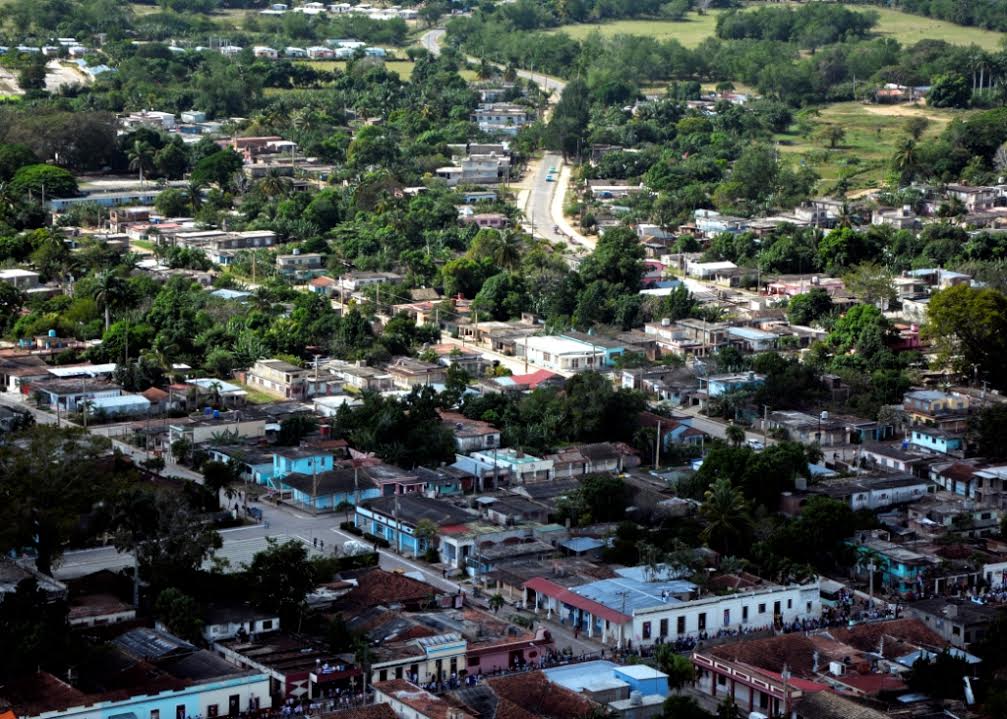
[
  {"x": 721, "y": 679},
  {"x": 744, "y": 615},
  {"x": 398, "y": 672},
  {"x": 702, "y": 621},
  {"x": 267, "y": 624},
  {"x": 664, "y": 627},
  {"x": 211, "y": 710},
  {"x": 180, "y": 711},
  {"x": 762, "y": 609},
  {"x": 956, "y": 631},
  {"x": 807, "y": 608},
  {"x": 155, "y": 714},
  {"x": 790, "y": 604},
  {"x": 383, "y": 675},
  {"x": 473, "y": 661},
  {"x": 646, "y": 630},
  {"x": 681, "y": 625}
]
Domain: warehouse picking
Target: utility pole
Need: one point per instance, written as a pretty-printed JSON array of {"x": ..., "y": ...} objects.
[{"x": 657, "y": 446}]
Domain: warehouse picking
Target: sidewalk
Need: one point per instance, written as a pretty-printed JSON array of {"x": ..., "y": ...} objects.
[{"x": 574, "y": 237}]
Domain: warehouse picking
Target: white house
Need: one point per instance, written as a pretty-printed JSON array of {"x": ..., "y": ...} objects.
[{"x": 559, "y": 353}]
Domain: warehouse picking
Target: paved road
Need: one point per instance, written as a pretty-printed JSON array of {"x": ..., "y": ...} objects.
[{"x": 431, "y": 40}]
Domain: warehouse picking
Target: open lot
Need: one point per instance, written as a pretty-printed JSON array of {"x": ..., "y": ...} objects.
[
  {"x": 905, "y": 28},
  {"x": 872, "y": 134}
]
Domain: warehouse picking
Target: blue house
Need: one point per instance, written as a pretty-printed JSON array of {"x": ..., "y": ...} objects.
[
  {"x": 254, "y": 464},
  {"x": 934, "y": 439},
  {"x": 722, "y": 384},
  {"x": 325, "y": 491},
  {"x": 300, "y": 460},
  {"x": 395, "y": 519}
]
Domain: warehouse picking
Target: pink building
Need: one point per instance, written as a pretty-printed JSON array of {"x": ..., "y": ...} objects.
[{"x": 494, "y": 655}]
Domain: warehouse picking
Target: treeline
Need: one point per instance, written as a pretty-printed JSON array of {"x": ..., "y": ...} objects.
[
  {"x": 988, "y": 14},
  {"x": 536, "y": 14},
  {"x": 777, "y": 69},
  {"x": 810, "y": 26}
]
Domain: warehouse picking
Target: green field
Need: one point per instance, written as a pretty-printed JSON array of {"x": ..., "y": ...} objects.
[
  {"x": 872, "y": 134},
  {"x": 905, "y": 28},
  {"x": 690, "y": 32}
]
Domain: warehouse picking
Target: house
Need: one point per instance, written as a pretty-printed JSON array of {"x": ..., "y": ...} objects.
[
  {"x": 945, "y": 410},
  {"x": 752, "y": 339},
  {"x": 904, "y": 218},
  {"x": 301, "y": 460},
  {"x": 501, "y": 118},
  {"x": 300, "y": 266},
  {"x": 361, "y": 377},
  {"x": 936, "y": 440},
  {"x": 889, "y": 458},
  {"x": 263, "y": 51},
  {"x": 355, "y": 282},
  {"x": 557, "y": 353},
  {"x": 898, "y": 569},
  {"x": 609, "y": 684},
  {"x": 491, "y": 220},
  {"x": 470, "y": 434},
  {"x": 297, "y": 668},
  {"x": 877, "y": 492},
  {"x": 519, "y": 466},
  {"x": 822, "y": 429},
  {"x": 407, "y": 372},
  {"x": 523, "y": 382},
  {"x": 720, "y": 272},
  {"x": 68, "y": 394},
  {"x": 973, "y": 198},
  {"x": 153, "y": 674},
  {"x": 20, "y": 279},
  {"x": 646, "y": 607},
  {"x": 612, "y": 348},
  {"x": 288, "y": 381},
  {"x": 254, "y": 463},
  {"x": 394, "y": 518},
  {"x": 331, "y": 489},
  {"x": 209, "y": 427},
  {"x": 227, "y": 621},
  {"x": 719, "y": 385},
  {"x": 323, "y": 285}
]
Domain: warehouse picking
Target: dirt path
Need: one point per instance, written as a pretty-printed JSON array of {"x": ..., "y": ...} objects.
[{"x": 905, "y": 111}]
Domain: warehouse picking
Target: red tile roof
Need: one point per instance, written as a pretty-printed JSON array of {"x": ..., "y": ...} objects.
[
  {"x": 534, "y": 379},
  {"x": 421, "y": 701},
  {"x": 551, "y": 589},
  {"x": 154, "y": 394},
  {"x": 530, "y": 694},
  {"x": 379, "y": 587}
]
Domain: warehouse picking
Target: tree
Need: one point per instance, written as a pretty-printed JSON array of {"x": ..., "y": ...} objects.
[
  {"x": 32, "y": 74},
  {"x": 180, "y": 613},
  {"x": 48, "y": 486},
  {"x": 141, "y": 157},
  {"x": 13, "y": 158},
  {"x": 219, "y": 168},
  {"x": 726, "y": 514},
  {"x": 871, "y": 283},
  {"x": 279, "y": 579},
  {"x": 109, "y": 289},
  {"x": 427, "y": 532},
  {"x": 679, "y": 668},
  {"x": 617, "y": 259},
  {"x": 496, "y": 603},
  {"x": 949, "y": 90},
  {"x": 678, "y": 706},
  {"x": 968, "y": 326},
  {"x": 915, "y": 126},
  {"x": 172, "y": 202},
  {"x": 990, "y": 429},
  {"x": 35, "y": 630},
  {"x": 833, "y": 135},
  {"x": 735, "y": 434},
  {"x": 169, "y": 541},
  {"x": 805, "y": 308},
  {"x": 11, "y": 301},
  {"x": 42, "y": 181}
]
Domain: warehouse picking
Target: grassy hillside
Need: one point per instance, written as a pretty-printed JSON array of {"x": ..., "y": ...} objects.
[
  {"x": 905, "y": 28},
  {"x": 872, "y": 134}
]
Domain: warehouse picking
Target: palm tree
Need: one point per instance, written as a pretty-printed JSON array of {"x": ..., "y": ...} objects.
[
  {"x": 726, "y": 513},
  {"x": 109, "y": 290},
  {"x": 141, "y": 156},
  {"x": 273, "y": 185},
  {"x": 905, "y": 158},
  {"x": 734, "y": 434},
  {"x": 507, "y": 252},
  {"x": 194, "y": 191}
]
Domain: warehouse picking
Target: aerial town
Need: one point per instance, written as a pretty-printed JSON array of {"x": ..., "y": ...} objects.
[{"x": 503, "y": 359}]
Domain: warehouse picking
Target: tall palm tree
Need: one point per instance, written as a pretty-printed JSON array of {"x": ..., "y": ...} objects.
[
  {"x": 194, "y": 191},
  {"x": 141, "y": 156},
  {"x": 726, "y": 513},
  {"x": 109, "y": 290},
  {"x": 507, "y": 252},
  {"x": 905, "y": 158}
]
